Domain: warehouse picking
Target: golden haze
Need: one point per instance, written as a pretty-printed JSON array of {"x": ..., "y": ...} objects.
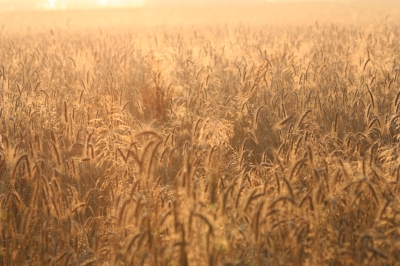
[{"x": 263, "y": 134}]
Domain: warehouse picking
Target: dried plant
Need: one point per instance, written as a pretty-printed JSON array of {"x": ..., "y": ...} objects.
[{"x": 235, "y": 145}]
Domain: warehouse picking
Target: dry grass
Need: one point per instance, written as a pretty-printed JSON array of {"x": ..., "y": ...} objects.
[{"x": 229, "y": 145}]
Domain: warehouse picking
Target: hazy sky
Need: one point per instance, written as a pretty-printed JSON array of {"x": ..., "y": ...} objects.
[
  {"x": 53, "y": 4},
  {"x": 60, "y": 4},
  {"x": 72, "y": 4}
]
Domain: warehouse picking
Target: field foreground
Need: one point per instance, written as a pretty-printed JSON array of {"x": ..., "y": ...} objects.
[{"x": 257, "y": 138}]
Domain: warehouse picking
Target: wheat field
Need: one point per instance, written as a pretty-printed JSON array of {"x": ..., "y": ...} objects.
[{"x": 262, "y": 135}]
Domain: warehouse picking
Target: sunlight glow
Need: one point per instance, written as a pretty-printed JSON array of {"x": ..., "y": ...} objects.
[
  {"x": 102, "y": 2},
  {"x": 51, "y": 4}
]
